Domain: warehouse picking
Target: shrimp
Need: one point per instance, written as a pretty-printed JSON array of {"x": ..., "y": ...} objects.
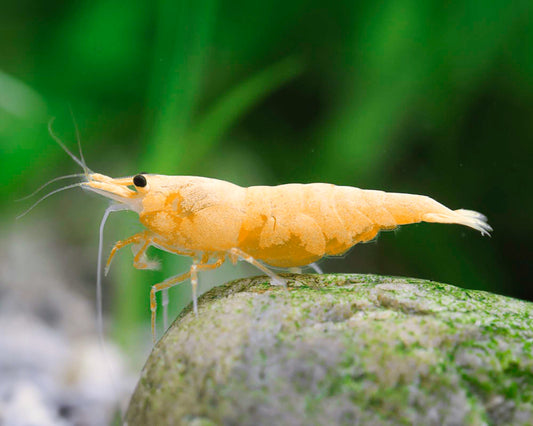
[
  {"x": 284, "y": 226},
  {"x": 287, "y": 226}
]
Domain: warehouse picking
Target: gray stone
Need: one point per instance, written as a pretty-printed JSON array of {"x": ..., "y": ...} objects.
[{"x": 342, "y": 349}]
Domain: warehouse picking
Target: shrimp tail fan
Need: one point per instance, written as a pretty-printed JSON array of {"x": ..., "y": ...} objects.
[{"x": 468, "y": 218}]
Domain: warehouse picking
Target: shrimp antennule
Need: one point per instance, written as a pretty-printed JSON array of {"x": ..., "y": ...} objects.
[
  {"x": 81, "y": 163},
  {"x": 44, "y": 185},
  {"x": 78, "y": 139},
  {"x": 74, "y": 185}
]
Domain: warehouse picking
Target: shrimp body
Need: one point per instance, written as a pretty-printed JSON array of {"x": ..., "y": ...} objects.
[{"x": 282, "y": 226}]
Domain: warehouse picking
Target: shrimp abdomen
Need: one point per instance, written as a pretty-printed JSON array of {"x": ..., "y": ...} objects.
[{"x": 294, "y": 225}]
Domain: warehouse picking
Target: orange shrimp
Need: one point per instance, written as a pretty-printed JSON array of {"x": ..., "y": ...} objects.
[{"x": 285, "y": 226}]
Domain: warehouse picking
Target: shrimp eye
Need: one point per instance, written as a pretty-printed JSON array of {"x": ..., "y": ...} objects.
[{"x": 139, "y": 181}]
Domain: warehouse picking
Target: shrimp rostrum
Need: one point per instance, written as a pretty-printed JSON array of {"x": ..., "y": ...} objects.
[{"x": 283, "y": 226}]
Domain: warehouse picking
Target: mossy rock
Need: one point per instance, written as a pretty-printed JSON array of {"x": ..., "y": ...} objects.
[{"x": 342, "y": 349}]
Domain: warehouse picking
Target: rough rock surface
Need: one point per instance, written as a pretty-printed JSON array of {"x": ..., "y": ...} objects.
[{"x": 342, "y": 349}]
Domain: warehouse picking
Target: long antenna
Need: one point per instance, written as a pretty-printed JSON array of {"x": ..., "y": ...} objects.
[{"x": 99, "y": 311}]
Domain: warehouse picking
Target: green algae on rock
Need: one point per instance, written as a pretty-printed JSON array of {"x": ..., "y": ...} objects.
[{"x": 342, "y": 349}]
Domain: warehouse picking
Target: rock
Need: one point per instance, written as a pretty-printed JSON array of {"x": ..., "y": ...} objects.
[{"x": 342, "y": 349}]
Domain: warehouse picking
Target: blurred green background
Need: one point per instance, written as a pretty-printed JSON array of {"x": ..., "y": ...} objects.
[{"x": 434, "y": 98}]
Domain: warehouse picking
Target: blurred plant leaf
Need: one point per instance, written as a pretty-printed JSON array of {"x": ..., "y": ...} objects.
[
  {"x": 19, "y": 99},
  {"x": 182, "y": 45},
  {"x": 234, "y": 104},
  {"x": 406, "y": 54},
  {"x": 22, "y": 118}
]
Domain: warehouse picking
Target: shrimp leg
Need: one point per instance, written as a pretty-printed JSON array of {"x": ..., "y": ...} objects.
[
  {"x": 145, "y": 240},
  {"x": 139, "y": 256},
  {"x": 275, "y": 279},
  {"x": 316, "y": 268},
  {"x": 170, "y": 282},
  {"x": 194, "y": 276},
  {"x": 141, "y": 237}
]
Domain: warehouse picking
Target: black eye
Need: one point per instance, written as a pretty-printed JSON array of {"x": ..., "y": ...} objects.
[{"x": 139, "y": 181}]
